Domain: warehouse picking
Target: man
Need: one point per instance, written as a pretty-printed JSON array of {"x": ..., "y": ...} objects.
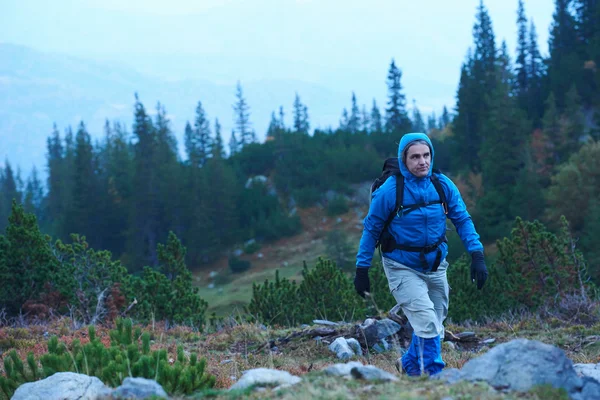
[{"x": 414, "y": 249}]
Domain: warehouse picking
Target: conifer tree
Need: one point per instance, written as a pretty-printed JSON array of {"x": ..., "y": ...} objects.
[
  {"x": 376, "y": 123},
  {"x": 521, "y": 64},
  {"x": 354, "y": 123},
  {"x": 535, "y": 72},
  {"x": 8, "y": 192},
  {"x": 199, "y": 141},
  {"x": 396, "y": 117},
  {"x": 34, "y": 194},
  {"x": 218, "y": 150},
  {"x": 365, "y": 119},
  {"x": 234, "y": 144},
  {"x": 418, "y": 125},
  {"x": 300, "y": 116},
  {"x": 242, "y": 118}
]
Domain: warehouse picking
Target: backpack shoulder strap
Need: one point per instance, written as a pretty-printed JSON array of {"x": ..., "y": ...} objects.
[
  {"x": 399, "y": 199},
  {"x": 439, "y": 189}
]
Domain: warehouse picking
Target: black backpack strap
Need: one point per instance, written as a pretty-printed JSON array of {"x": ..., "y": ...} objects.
[
  {"x": 398, "y": 205},
  {"x": 440, "y": 190}
]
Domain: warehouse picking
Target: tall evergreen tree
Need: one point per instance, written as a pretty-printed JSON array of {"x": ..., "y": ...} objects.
[
  {"x": 354, "y": 123},
  {"x": 344, "y": 120},
  {"x": 396, "y": 117},
  {"x": 502, "y": 152},
  {"x": 300, "y": 115},
  {"x": 521, "y": 62},
  {"x": 234, "y": 144},
  {"x": 365, "y": 119},
  {"x": 79, "y": 217},
  {"x": 376, "y": 123},
  {"x": 242, "y": 118},
  {"x": 432, "y": 122},
  {"x": 477, "y": 81},
  {"x": 444, "y": 118},
  {"x": 202, "y": 135},
  {"x": 145, "y": 207},
  {"x": 9, "y": 192},
  {"x": 563, "y": 46},
  {"x": 418, "y": 125},
  {"x": 535, "y": 72},
  {"x": 34, "y": 194},
  {"x": 218, "y": 150}
]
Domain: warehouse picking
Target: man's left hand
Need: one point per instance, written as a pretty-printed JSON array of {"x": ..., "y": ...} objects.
[{"x": 478, "y": 269}]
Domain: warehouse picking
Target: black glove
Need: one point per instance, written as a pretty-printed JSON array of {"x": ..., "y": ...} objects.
[
  {"x": 361, "y": 281},
  {"x": 478, "y": 269}
]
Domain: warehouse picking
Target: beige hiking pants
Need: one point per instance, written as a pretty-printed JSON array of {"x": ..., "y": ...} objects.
[{"x": 423, "y": 297}]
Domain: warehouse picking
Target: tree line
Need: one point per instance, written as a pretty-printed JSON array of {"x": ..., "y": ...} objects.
[{"x": 521, "y": 141}]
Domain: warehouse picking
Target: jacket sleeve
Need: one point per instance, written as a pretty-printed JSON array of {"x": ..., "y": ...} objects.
[
  {"x": 382, "y": 205},
  {"x": 460, "y": 217}
]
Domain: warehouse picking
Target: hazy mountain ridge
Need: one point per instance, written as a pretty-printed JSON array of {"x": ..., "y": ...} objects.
[{"x": 38, "y": 89}]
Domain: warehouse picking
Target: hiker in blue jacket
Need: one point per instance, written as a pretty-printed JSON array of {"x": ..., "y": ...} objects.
[{"x": 414, "y": 248}]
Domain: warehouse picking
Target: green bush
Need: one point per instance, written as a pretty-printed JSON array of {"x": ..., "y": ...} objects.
[
  {"x": 128, "y": 355},
  {"x": 238, "y": 265},
  {"x": 327, "y": 292},
  {"x": 252, "y": 247},
  {"x": 168, "y": 294},
  {"x": 275, "y": 302}
]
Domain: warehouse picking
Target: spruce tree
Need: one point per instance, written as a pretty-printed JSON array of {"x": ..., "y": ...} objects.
[
  {"x": 34, "y": 194},
  {"x": 354, "y": 123},
  {"x": 376, "y": 123},
  {"x": 522, "y": 72},
  {"x": 218, "y": 150},
  {"x": 242, "y": 118},
  {"x": 396, "y": 117},
  {"x": 365, "y": 119},
  {"x": 8, "y": 192},
  {"x": 535, "y": 72},
  {"x": 418, "y": 125}
]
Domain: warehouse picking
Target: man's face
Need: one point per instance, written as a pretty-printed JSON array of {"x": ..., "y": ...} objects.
[{"x": 418, "y": 159}]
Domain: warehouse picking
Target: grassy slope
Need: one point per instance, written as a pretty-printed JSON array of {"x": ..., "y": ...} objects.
[{"x": 232, "y": 291}]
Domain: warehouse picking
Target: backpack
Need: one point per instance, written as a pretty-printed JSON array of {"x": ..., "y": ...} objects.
[{"x": 386, "y": 242}]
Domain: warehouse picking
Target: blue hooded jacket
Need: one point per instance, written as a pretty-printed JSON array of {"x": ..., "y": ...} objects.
[{"x": 422, "y": 227}]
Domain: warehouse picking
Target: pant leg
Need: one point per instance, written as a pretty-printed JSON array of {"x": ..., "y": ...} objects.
[
  {"x": 439, "y": 293},
  {"x": 411, "y": 291}
]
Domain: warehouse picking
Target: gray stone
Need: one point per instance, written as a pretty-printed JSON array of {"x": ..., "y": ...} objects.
[
  {"x": 371, "y": 373},
  {"x": 375, "y": 330},
  {"x": 591, "y": 370},
  {"x": 382, "y": 346},
  {"x": 449, "y": 375},
  {"x": 355, "y": 346},
  {"x": 465, "y": 335},
  {"x": 265, "y": 377},
  {"x": 521, "y": 364},
  {"x": 342, "y": 369},
  {"x": 139, "y": 388},
  {"x": 324, "y": 322},
  {"x": 488, "y": 341},
  {"x": 63, "y": 386},
  {"x": 341, "y": 348},
  {"x": 589, "y": 391}
]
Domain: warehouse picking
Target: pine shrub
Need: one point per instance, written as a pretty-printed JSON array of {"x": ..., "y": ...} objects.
[{"x": 129, "y": 355}]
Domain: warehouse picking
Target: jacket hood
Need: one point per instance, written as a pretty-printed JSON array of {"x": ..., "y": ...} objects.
[{"x": 404, "y": 142}]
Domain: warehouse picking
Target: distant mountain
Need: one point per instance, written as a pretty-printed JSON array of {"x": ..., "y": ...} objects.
[{"x": 38, "y": 89}]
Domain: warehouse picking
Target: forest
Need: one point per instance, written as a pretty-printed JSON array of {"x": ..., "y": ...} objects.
[{"x": 521, "y": 143}]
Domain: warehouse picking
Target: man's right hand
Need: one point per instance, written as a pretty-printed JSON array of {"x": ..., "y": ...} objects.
[{"x": 361, "y": 281}]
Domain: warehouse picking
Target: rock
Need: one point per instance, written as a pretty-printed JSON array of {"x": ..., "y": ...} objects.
[
  {"x": 211, "y": 285},
  {"x": 382, "y": 346},
  {"x": 324, "y": 322},
  {"x": 226, "y": 362},
  {"x": 265, "y": 377},
  {"x": 63, "y": 386},
  {"x": 260, "y": 255},
  {"x": 372, "y": 331},
  {"x": 449, "y": 375},
  {"x": 591, "y": 370},
  {"x": 342, "y": 369},
  {"x": 522, "y": 364},
  {"x": 213, "y": 274},
  {"x": 371, "y": 373},
  {"x": 488, "y": 341},
  {"x": 341, "y": 348},
  {"x": 355, "y": 346},
  {"x": 450, "y": 345},
  {"x": 139, "y": 388},
  {"x": 590, "y": 390}
]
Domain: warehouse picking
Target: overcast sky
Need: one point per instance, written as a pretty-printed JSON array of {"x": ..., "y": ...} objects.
[{"x": 427, "y": 38}]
